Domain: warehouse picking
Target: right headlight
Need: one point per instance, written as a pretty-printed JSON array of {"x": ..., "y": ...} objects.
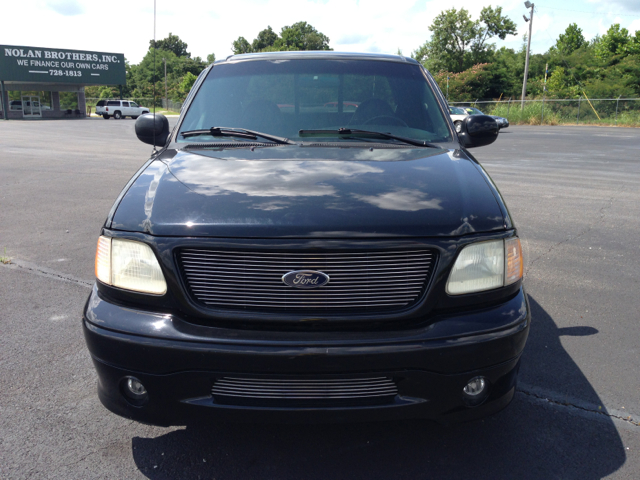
[
  {"x": 486, "y": 265},
  {"x": 129, "y": 265}
]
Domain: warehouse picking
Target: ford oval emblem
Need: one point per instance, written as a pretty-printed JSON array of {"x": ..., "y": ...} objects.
[{"x": 305, "y": 279}]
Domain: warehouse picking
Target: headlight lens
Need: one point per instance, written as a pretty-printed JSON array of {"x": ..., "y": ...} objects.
[
  {"x": 481, "y": 266},
  {"x": 129, "y": 265}
]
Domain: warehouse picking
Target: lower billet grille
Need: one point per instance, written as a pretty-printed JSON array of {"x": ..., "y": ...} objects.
[
  {"x": 359, "y": 281},
  {"x": 261, "y": 391}
]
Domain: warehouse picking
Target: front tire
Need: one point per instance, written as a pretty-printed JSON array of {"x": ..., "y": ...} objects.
[
  {"x": 458, "y": 125},
  {"x": 117, "y": 115}
]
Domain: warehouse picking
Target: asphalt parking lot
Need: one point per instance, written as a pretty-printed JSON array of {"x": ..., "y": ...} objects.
[{"x": 575, "y": 195}]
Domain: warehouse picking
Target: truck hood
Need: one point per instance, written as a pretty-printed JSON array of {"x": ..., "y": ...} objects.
[{"x": 303, "y": 191}]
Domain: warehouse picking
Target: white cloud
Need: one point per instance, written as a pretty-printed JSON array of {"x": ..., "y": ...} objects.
[{"x": 66, "y": 7}]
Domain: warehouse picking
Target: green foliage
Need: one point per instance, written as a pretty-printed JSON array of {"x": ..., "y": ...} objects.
[
  {"x": 187, "y": 82},
  {"x": 467, "y": 85},
  {"x": 605, "y": 67},
  {"x": 241, "y": 45},
  {"x": 299, "y": 36},
  {"x": 457, "y": 41},
  {"x": 178, "y": 69},
  {"x": 571, "y": 40},
  {"x": 614, "y": 42},
  {"x": 266, "y": 38},
  {"x": 173, "y": 44},
  {"x": 302, "y": 36},
  {"x": 211, "y": 58}
]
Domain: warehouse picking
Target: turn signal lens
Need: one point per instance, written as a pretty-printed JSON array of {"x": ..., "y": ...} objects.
[
  {"x": 103, "y": 260},
  {"x": 514, "y": 264},
  {"x": 134, "y": 266}
]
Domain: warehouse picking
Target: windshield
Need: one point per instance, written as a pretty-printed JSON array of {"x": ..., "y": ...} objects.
[
  {"x": 457, "y": 111},
  {"x": 473, "y": 111},
  {"x": 282, "y": 97}
]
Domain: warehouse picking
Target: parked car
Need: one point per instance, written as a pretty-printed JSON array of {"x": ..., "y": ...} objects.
[
  {"x": 457, "y": 114},
  {"x": 501, "y": 121},
  {"x": 304, "y": 264},
  {"x": 119, "y": 109}
]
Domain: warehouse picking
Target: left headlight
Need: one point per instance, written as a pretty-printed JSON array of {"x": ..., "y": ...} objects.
[
  {"x": 129, "y": 265},
  {"x": 485, "y": 266}
]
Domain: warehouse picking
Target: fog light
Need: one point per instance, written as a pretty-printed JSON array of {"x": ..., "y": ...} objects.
[
  {"x": 134, "y": 391},
  {"x": 135, "y": 387},
  {"x": 475, "y": 392},
  {"x": 474, "y": 388}
]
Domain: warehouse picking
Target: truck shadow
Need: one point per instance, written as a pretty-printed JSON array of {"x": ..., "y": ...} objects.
[{"x": 532, "y": 438}]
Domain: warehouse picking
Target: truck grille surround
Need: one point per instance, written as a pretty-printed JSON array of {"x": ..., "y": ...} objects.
[{"x": 359, "y": 281}]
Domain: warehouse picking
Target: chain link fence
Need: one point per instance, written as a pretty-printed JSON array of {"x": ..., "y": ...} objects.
[{"x": 547, "y": 111}]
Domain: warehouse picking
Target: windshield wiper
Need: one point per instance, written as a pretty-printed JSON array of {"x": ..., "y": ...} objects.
[
  {"x": 237, "y": 132},
  {"x": 354, "y": 132}
]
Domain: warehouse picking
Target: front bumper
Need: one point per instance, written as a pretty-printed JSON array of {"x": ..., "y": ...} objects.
[{"x": 178, "y": 362}]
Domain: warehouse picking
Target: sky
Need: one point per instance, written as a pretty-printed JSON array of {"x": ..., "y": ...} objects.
[{"x": 126, "y": 26}]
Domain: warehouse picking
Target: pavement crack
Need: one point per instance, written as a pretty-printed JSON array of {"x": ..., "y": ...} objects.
[
  {"x": 587, "y": 229},
  {"x": 29, "y": 267},
  {"x": 631, "y": 419}
]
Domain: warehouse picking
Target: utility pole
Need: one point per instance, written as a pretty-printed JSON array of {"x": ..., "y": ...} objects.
[
  {"x": 526, "y": 62},
  {"x": 166, "y": 96}
]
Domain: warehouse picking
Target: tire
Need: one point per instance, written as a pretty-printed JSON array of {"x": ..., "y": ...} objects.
[
  {"x": 134, "y": 116},
  {"x": 117, "y": 115},
  {"x": 458, "y": 125},
  {"x": 106, "y": 117}
]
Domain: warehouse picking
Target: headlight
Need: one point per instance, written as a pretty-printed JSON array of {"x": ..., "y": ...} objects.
[
  {"x": 482, "y": 266},
  {"x": 129, "y": 265}
]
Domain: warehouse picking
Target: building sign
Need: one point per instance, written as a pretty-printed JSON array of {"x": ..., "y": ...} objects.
[{"x": 54, "y": 65}]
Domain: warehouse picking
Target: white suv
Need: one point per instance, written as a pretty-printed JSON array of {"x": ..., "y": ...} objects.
[{"x": 119, "y": 109}]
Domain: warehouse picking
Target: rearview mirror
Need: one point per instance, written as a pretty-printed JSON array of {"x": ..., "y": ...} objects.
[
  {"x": 478, "y": 131},
  {"x": 153, "y": 129}
]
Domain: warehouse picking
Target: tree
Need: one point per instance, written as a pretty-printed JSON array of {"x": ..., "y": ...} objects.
[
  {"x": 302, "y": 36},
  {"x": 211, "y": 58},
  {"x": 571, "y": 40},
  {"x": 173, "y": 44},
  {"x": 299, "y": 36},
  {"x": 633, "y": 47},
  {"x": 614, "y": 42},
  {"x": 266, "y": 38},
  {"x": 240, "y": 46},
  {"x": 458, "y": 42},
  {"x": 187, "y": 82}
]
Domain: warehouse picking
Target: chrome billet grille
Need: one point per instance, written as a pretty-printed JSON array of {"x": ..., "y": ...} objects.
[
  {"x": 241, "y": 390},
  {"x": 362, "y": 281}
]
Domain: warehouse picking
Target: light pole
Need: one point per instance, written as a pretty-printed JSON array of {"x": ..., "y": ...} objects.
[
  {"x": 166, "y": 96},
  {"x": 526, "y": 62}
]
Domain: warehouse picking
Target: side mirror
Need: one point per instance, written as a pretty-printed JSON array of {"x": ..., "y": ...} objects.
[
  {"x": 149, "y": 127},
  {"x": 478, "y": 131}
]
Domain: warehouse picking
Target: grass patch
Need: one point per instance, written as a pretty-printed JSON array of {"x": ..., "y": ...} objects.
[
  {"x": 566, "y": 113},
  {"x": 4, "y": 258},
  {"x": 167, "y": 112}
]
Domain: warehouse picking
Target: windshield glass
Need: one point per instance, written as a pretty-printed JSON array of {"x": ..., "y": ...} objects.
[
  {"x": 281, "y": 97},
  {"x": 473, "y": 111},
  {"x": 457, "y": 111}
]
